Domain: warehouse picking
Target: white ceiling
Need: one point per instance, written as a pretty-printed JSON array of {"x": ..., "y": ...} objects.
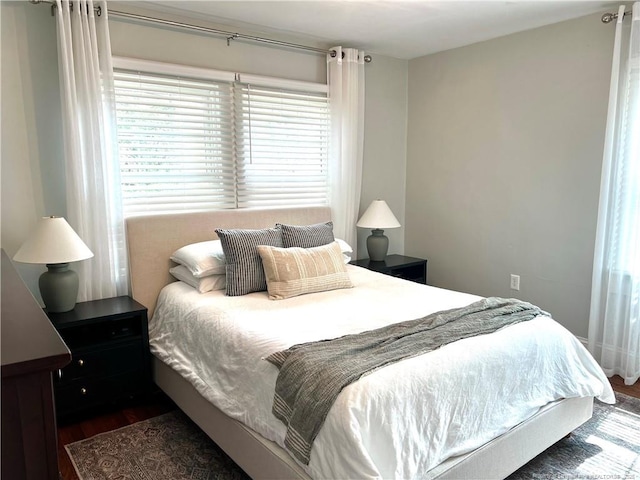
[{"x": 401, "y": 28}]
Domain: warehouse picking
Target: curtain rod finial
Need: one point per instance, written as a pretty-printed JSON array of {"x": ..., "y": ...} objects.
[{"x": 367, "y": 58}]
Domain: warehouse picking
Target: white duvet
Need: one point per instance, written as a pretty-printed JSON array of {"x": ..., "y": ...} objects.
[{"x": 397, "y": 422}]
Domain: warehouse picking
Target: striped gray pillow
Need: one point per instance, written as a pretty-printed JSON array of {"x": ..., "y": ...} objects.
[
  {"x": 244, "y": 266},
  {"x": 306, "y": 236}
]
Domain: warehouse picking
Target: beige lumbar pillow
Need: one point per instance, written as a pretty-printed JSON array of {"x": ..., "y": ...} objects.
[{"x": 296, "y": 271}]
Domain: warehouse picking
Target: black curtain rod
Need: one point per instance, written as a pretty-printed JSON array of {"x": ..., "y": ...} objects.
[{"x": 213, "y": 31}]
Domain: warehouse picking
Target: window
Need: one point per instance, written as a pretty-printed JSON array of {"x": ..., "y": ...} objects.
[{"x": 193, "y": 139}]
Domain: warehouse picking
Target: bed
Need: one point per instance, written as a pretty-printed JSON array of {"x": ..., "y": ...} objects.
[{"x": 254, "y": 441}]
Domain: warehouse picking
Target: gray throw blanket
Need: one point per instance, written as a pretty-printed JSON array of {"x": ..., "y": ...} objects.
[{"x": 312, "y": 375}]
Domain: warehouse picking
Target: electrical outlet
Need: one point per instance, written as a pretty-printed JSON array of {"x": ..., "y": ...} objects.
[{"x": 515, "y": 282}]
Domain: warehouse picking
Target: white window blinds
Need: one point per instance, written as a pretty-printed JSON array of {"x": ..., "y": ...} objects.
[
  {"x": 189, "y": 144},
  {"x": 282, "y": 141}
]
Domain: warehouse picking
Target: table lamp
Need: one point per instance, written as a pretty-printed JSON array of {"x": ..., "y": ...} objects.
[
  {"x": 55, "y": 244},
  {"x": 378, "y": 217}
]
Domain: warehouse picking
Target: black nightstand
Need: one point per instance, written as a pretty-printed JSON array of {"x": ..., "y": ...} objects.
[
  {"x": 109, "y": 343},
  {"x": 409, "y": 268}
]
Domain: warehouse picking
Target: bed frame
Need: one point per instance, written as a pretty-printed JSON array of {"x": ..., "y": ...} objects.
[{"x": 152, "y": 239}]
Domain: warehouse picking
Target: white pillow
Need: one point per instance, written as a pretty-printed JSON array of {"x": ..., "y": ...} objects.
[
  {"x": 202, "y": 259},
  {"x": 346, "y": 250},
  {"x": 204, "y": 284},
  {"x": 207, "y": 258}
]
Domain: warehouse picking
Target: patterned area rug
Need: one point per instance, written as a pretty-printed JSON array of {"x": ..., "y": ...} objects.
[
  {"x": 167, "y": 447},
  {"x": 605, "y": 447},
  {"x": 170, "y": 447}
]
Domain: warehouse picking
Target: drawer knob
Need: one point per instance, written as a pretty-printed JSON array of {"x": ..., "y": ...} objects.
[
  {"x": 80, "y": 362},
  {"x": 83, "y": 391},
  {"x": 60, "y": 374}
]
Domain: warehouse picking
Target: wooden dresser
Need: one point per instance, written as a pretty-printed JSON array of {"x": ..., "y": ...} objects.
[{"x": 31, "y": 350}]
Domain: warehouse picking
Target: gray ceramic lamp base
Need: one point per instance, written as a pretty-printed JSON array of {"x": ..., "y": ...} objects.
[
  {"x": 377, "y": 245},
  {"x": 59, "y": 288}
]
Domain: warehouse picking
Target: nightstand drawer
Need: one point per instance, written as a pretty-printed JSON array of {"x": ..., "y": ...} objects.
[
  {"x": 128, "y": 327},
  {"x": 415, "y": 273},
  {"x": 401, "y": 266},
  {"x": 103, "y": 362},
  {"x": 88, "y": 392}
]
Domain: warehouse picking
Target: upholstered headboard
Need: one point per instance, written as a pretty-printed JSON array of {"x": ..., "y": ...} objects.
[{"x": 152, "y": 239}]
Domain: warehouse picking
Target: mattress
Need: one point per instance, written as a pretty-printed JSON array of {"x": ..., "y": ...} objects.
[{"x": 397, "y": 422}]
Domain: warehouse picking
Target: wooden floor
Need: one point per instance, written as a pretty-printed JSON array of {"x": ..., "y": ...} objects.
[
  {"x": 160, "y": 404},
  {"x": 618, "y": 385}
]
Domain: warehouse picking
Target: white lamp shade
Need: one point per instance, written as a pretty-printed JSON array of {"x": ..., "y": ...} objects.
[
  {"x": 53, "y": 241},
  {"x": 378, "y": 216}
]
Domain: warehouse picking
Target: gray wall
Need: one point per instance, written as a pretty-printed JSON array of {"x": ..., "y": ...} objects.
[
  {"x": 505, "y": 145},
  {"x": 385, "y": 151},
  {"x": 33, "y": 178}
]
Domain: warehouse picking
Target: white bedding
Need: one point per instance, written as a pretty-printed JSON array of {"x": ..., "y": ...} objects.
[{"x": 397, "y": 422}]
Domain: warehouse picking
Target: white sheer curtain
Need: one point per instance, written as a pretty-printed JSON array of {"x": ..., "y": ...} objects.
[
  {"x": 90, "y": 146},
  {"x": 614, "y": 323},
  {"x": 345, "y": 77}
]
